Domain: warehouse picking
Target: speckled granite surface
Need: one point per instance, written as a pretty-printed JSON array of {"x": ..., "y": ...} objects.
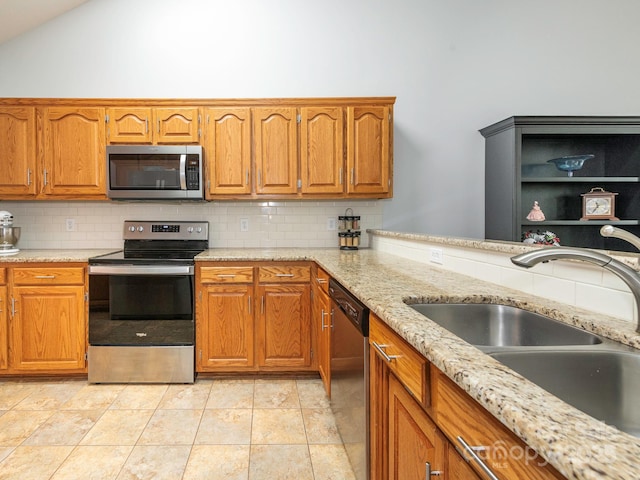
[
  {"x": 53, "y": 255},
  {"x": 577, "y": 445}
]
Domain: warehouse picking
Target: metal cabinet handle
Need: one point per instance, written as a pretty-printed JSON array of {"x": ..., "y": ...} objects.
[
  {"x": 226, "y": 275},
  {"x": 323, "y": 326},
  {"x": 472, "y": 453},
  {"x": 429, "y": 473},
  {"x": 146, "y": 125},
  {"x": 381, "y": 351},
  {"x": 284, "y": 274},
  {"x": 45, "y": 276},
  {"x": 262, "y": 304},
  {"x": 249, "y": 304},
  {"x": 353, "y": 176},
  {"x": 44, "y": 173},
  {"x": 28, "y": 176},
  {"x": 321, "y": 280},
  {"x": 13, "y": 307},
  {"x": 246, "y": 178},
  {"x": 340, "y": 176}
]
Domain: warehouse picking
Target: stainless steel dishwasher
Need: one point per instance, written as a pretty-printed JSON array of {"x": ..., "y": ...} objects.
[{"x": 350, "y": 375}]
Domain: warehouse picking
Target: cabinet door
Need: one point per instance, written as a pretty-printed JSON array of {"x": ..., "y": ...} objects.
[
  {"x": 368, "y": 149},
  {"x": 322, "y": 319},
  {"x": 177, "y": 125},
  {"x": 284, "y": 333},
  {"x": 416, "y": 446},
  {"x": 378, "y": 416},
  {"x": 322, "y": 149},
  {"x": 73, "y": 152},
  {"x": 48, "y": 329},
  {"x": 17, "y": 151},
  {"x": 275, "y": 146},
  {"x": 226, "y": 332},
  {"x": 4, "y": 327},
  {"x": 130, "y": 125},
  {"x": 228, "y": 150},
  {"x": 458, "y": 468}
]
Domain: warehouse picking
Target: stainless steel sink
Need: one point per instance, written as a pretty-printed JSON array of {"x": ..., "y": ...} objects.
[
  {"x": 491, "y": 325},
  {"x": 603, "y": 384}
]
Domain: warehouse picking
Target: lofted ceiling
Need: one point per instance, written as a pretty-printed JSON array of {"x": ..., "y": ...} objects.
[{"x": 19, "y": 16}]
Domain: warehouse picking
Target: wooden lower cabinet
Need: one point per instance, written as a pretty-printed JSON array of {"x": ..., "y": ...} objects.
[
  {"x": 323, "y": 325},
  {"x": 413, "y": 425},
  {"x": 253, "y": 317},
  {"x": 4, "y": 323},
  {"x": 417, "y": 449},
  {"x": 48, "y": 320}
]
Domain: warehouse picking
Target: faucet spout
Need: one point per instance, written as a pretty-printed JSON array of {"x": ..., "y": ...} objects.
[
  {"x": 611, "y": 231},
  {"x": 625, "y": 273}
]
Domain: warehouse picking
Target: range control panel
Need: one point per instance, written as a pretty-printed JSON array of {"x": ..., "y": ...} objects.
[{"x": 173, "y": 230}]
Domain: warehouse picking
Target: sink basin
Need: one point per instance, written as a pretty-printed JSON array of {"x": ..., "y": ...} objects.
[
  {"x": 503, "y": 326},
  {"x": 603, "y": 384}
]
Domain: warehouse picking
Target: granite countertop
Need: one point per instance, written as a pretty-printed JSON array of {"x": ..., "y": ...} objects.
[
  {"x": 576, "y": 444},
  {"x": 579, "y": 446}
]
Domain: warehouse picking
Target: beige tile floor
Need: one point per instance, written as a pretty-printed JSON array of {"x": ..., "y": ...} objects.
[{"x": 214, "y": 429}]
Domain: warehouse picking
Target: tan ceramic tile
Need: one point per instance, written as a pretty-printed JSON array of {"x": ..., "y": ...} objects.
[
  {"x": 93, "y": 397},
  {"x": 276, "y": 394},
  {"x": 4, "y": 453},
  {"x": 66, "y": 427},
  {"x": 218, "y": 462},
  {"x": 312, "y": 394},
  {"x": 17, "y": 425},
  {"x": 33, "y": 462},
  {"x": 320, "y": 426},
  {"x": 171, "y": 427},
  {"x": 225, "y": 426},
  {"x": 12, "y": 393},
  {"x": 139, "y": 397},
  {"x": 189, "y": 397},
  {"x": 278, "y": 426},
  {"x": 231, "y": 394},
  {"x": 118, "y": 427},
  {"x": 49, "y": 396},
  {"x": 93, "y": 463},
  {"x": 156, "y": 463},
  {"x": 330, "y": 462},
  {"x": 282, "y": 462}
]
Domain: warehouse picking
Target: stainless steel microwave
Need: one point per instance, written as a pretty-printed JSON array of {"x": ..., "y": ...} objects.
[{"x": 155, "y": 172}]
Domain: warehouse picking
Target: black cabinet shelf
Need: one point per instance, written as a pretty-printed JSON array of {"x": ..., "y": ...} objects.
[{"x": 517, "y": 174}]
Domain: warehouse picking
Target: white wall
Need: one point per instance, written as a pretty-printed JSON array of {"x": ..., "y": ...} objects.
[{"x": 455, "y": 66}]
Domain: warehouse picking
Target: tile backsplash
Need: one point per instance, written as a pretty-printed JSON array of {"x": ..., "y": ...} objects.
[{"x": 270, "y": 223}]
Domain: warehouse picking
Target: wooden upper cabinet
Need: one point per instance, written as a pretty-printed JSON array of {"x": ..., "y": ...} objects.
[
  {"x": 17, "y": 151},
  {"x": 275, "y": 145},
  {"x": 73, "y": 152},
  {"x": 322, "y": 149},
  {"x": 369, "y": 150},
  {"x": 130, "y": 125},
  {"x": 228, "y": 150},
  {"x": 177, "y": 125},
  {"x": 140, "y": 125}
]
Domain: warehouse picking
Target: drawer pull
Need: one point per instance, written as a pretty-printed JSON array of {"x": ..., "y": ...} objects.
[
  {"x": 381, "y": 351},
  {"x": 284, "y": 274},
  {"x": 323, "y": 326},
  {"x": 45, "y": 276},
  {"x": 226, "y": 275},
  {"x": 429, "y": 473},
  {"x": 472, "y": 453},
  {"x": 321, "y": 280}
]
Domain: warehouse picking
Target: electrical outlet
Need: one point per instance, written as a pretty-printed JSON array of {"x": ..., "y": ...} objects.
[
  {"x": 331, "y": 223},
  {"x": 244, "y": 224},
  {"x": 436, "y": 255},
  {"x": 70, "y": 224}
]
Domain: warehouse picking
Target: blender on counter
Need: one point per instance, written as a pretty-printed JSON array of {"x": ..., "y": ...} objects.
[{"x": 9, "y": 235}]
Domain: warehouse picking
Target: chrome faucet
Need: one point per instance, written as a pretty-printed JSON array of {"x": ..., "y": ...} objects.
[
  {"x": 625, "y": 273},
  {"x": 611, "y": 231}
]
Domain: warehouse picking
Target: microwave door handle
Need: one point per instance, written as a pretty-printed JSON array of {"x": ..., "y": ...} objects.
[{"x": 183, "y": 171}]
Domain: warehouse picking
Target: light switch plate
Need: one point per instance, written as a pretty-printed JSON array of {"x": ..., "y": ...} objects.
[{"x": 436, "y": 255}]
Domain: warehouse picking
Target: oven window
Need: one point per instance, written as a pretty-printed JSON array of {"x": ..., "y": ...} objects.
[{"x": 141, "y": 297}]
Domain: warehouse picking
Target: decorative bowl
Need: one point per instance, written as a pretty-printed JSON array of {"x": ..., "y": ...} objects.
[
  {"x": 9, "y": 236},
  {"x": 570, "y": 163}
]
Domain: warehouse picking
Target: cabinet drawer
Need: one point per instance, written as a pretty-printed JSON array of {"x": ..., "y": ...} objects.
[
  {"x": 48, "y": 276},
  {"x": 284, "y": 273},
  {"x": 322, "y": 279},
  {"x": 3, "y": 276},
  {"x": 409, "y": 366},
  {"x": 458, "y": 415},
  {"x": 226, "y": 274}
]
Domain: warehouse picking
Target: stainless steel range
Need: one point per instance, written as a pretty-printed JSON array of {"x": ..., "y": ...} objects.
[{"x": 142, "y": 305}]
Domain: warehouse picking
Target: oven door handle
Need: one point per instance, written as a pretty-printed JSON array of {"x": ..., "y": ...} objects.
[{"x": 141, "y": 269}]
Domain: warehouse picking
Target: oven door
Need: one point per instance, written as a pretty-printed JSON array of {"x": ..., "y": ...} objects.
[{"x": 141, "y": 305}]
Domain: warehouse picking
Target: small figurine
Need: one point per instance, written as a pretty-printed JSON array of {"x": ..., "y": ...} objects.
[{"x": 536, "y": 214}]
